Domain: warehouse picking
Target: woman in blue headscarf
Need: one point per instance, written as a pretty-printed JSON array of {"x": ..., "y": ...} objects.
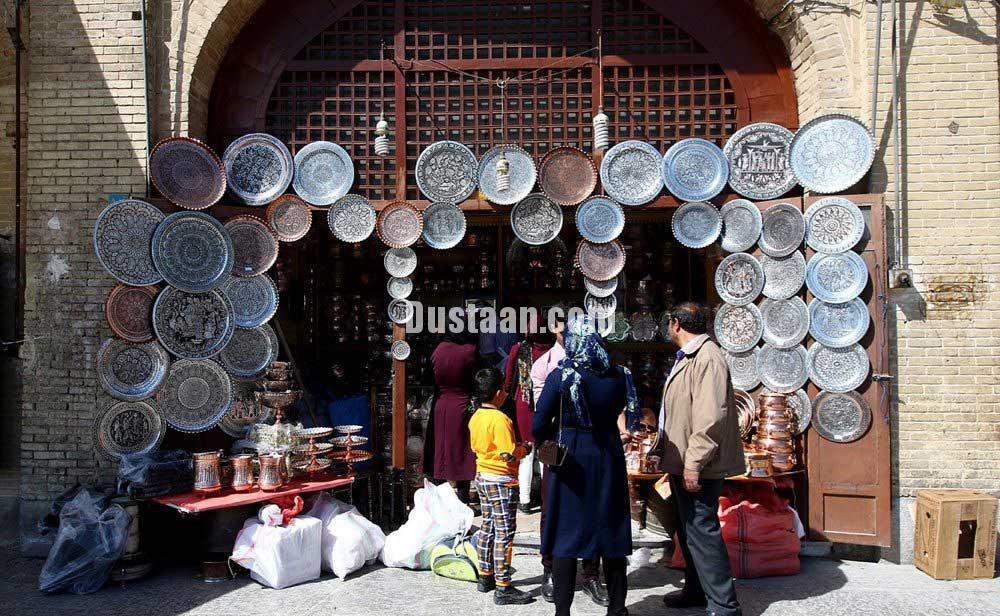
[{"x": 587, "y": 497}]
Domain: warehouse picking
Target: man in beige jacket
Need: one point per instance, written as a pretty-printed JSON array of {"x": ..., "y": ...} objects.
[{"x": 702, "y": 448}]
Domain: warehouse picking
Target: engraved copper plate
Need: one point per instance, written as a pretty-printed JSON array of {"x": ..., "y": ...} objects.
[
  {"x": 600, "y": 262},
  {"x": 399, "y": 224},
  {"x": 351, "y": 219},
  {"x": 758, "y": 161},
  {"x": 783, "y": 370},
  {"x": 786, "y": 321},
  {"x": 841, "y": 418},
  {"x": 400, "y": 262},
  {"x": 250, "y": 352},
  {"x": 536, "y": 220},
  {"x": 831, "y": 153},
  {"x": 128, "y": 427},
  {"x": 244, "y": 412},
  {"x": 401, "y": 311},
  {"x": 600, "y": 220},
  {"x": 783, "y": 276},
  {"x": 696, "y": 224},
  {"x": 123, "y": 241},
  {"x": 193, "y": 325},
  {"x": 738, "y": 328},
  {"x": 782, "y": 231},
  {"x": 289, "y": 217},
  {"x": 259, "y": 168},
  {"x": 741, "y": 225},
  {"x": 800, "y": 406},
  {"x": 255, "y": 248},
  {"x": 399, "y": 288},
  {"x": 131, "y": 371},
  {"x": 743, "y": 369},
  {"x": 324, "y": 172},
  {"x": 601, "y": 288},
  {"x": 838, "y": 370},
  {"x": 193, "y": 251},
  {"x": 836, "y": 278},
  {"x": 187, "y": 172},
  {"x": 739, "y": 279},
  {"x": 447, "y": 171},
  {"x": 833, "y": 225},
  {"x": 399, "y": 350},
  {"x": 197, "y": 394},
  {"x": 522, "y": 174},
  {"x": 567, "y": 175},
  {"x": 254, "y": 300},
  {"x": 600, "y": 307},
  {"x": 644, "y": 327},
  {"x": 694, "y": 169},
  {"x": 444, "y": 225},
  {"x": 630, "y": 172},
  {"x": 838, "y": 325},
  {"x": 129, "y": 311}
]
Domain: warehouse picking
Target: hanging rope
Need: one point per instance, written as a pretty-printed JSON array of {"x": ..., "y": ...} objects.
[{"x": 382, "y": 127}]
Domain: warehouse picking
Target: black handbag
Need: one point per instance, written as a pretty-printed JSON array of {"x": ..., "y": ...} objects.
[{"x": 553, "y": 452}]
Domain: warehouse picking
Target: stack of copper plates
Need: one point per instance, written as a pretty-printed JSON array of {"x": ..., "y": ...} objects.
[{"x": 775, "y": 431}]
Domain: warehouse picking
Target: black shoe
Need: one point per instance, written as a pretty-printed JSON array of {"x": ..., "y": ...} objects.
[
  {"x": 680, "y": 600},
  {"x": 596, "y": 592},
  {"x": 548, "y": 590},
  {"x": 525, "y": 509},
  {"x": 508, "y": 595},
  {"x": 486, "y": 583}
]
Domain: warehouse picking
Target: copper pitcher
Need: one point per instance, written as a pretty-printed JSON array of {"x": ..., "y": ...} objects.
[
  {"x": 242, "y": 471},
  {"x": 207, "y": 471},
  {"x": 270, "y": 471}
]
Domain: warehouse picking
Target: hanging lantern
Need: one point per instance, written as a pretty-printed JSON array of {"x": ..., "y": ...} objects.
[
  {"x": 601, "y": 130},
  {"x": 503, "y": 173},
  {"x": 382, "y": 138}
]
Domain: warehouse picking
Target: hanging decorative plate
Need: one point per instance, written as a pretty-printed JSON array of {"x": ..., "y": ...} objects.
[
  {"x": 836, "y": 278},
  {"x": 129, "y": 311},
  {"x": 446, "y": 171},
  {"x": 255, "y": 249},
  {"x": 128, "y": 427},
  {"x": 833, "y": 225},
  {"x": 664, "y": 323},
  {"x": 838, "y": 370},
  {"x": 630, "y": 172},
  {"x": 743, "y": 369},
  {"x": 289, "y": 218},
  {"x": 193, "y": 251},
  {"x": 738, "y": 328},
  {"x": 782, "y": 231},
  {"x": 254, "y": 300},
  {"x": 400, "y": 350},
  {"x": 831, "y": 153},
  {"x": 197, "y": 394},
  {"x": 600, "y": 262},
  {"x": 193, "y": 325},
  {"x": 444, "y": 225},
  {"x": 783, "y": 276},
  {"x": 838, "y": 325},
  {"x": 324, "y": 172},
  {"x": 567, "y": 175},
  {"x": 739, "y": 279},
  {"x": 696, "y": 224},
  {"x": 250, "y": 352},
  {"x": 643, "y": 327},
  {"x": 786, "y": 321},
  {"x": 187, "y": 172},
  {"x": 602, "y": 288},
  {"x": 401, "y": 311},
  {"x": 522, "y": 174},
  {"x": 399, "y": 288},
  {"x": 131, "y": 371},
  {"x": 841, "y": 417},
  {"x": 259, "y": 168},
  {"x": 123, "y": 241},
  {"x": 758, "y": 161},
  {"x": 695, "y": 169},
  {"x": 621, "y": 329},
  {"x": 801, "y": 407},
  {"x": 783, "y": 370},
  {"x": 741, "y": 225},
  {"x": 536, "y": 220},
  {"x": 600, "y": 220},
  {"x": 600, "y": 307},
  {"x": 351, "y": 219},
  {"x": 400, "y": 262},
  {"x": 399, "y": 224},
  {"x": 244, "y": 412}
]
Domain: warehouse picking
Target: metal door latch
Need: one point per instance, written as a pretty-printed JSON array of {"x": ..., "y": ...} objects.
[{"x": 880, "y": 378}]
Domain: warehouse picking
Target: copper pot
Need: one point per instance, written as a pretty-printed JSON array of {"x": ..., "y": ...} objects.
[
  {"x": 207, "y": 471},
  {"x": 270, "y": 471},
  {"x": 783, "y": 462},
  {"x": 759, "y": 464},
  {"x": 242, "y": 472},
  {"x": 773, "y": 401},
  {"x": 774, "y": 445},
  {"x": 780, "y": 431},
  {"x": 770, "y": 416}
]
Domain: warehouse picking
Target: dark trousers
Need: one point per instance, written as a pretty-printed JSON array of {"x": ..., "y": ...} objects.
[
  {"x": 564, "y": 584},
  {"x": 591, "y": 566},
  {"x": 707, "y": 573}
]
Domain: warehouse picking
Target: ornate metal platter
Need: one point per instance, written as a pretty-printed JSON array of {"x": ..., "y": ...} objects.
[
  {"x": 193, "y": 251},
  {"x": 696, "y": 224},
  {"x": 289, "y": 218},
  {"x": 401, "y": 311},
  {"x": 838, "y": 325},
  {"x": 123, "y": 241},
  {"x": 324, "y": 172},
  {"x": 783, "y": 276},
  {"x": 600, "y": 307},
  {"x": 786, "y": 321},
  {"x": 834, "y": 224},
  {"x": 643, "y": 327},
  {"x": 399, "y": 288},
  {"x": 739, "y": 279},
  {"x": 444, "y": 225},
  {"x": 630, "y": 172},
  {"x": 601, "y": 288},
  {"x": 600, "y": 262},
  {"x": 694, "y": 169},
  {"x": 836, "y": 278},
  {"x": 799, "y": 403},
  {"x": 831, "y": 153},
  {"x": 743, "y": 369},
  {"x": 741, "y": 225},
  {"x": 244, "y": 412},
  {"x": 567, "y": 175},
  {"x": 400, "y": 262},
  {"x": 399, "y": 224},
  {"x": 600, "y": 220},
  {"x": 197, "y": 394},
  {"x": 782, "y": 231},
  {"x": 838, "y": 370},
  {"x": 128, "y": 427},
  {"x": 758, "y": 161},
  {"x": 783, "y": 370},
  {"x": 447, "y": 171},
  {"x": 131, "y": 371},
  {"x": 522, "y": 174},
  {"x": 254, "y": 300},
  {"x": 351, "y": 219},
  {"x": 193, "y": 325},
  {"x": 250, "y": 352},
  {"x": 620, "y": 330},
  {"x": 400, "y": 350},
  {"x": 187, "y": 172},
  {"x": 259, "y": 168},
  {"x": 664, "y": 322},
  {"x": 841, "y": 418},
  {"x": 738, "y": 328},
  {"x": 536, "y": 220},
  {"x": 255, "y": 248},
  {"x": 129, "y": 311}
]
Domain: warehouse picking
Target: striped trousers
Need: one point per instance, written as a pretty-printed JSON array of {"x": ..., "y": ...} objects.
[{"x": 495, "y": 539}]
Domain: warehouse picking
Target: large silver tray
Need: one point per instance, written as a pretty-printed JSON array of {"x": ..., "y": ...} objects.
[
  {"x": 599, "y": 219},
  {"x": 446, "y": 171},
  {"x": 694, "y": 169},
  {"x": 831, "y": 153},
  {"x": 738, "y": 328},
  {"x": 600, "y": 307},
  {"x": 782, "y": 231},
  {"x": 536, "y": 220},
  {"x": 187, "y": 172},
  {"x": 196, "y": 395},
  {"x": 758, "y": 161},
  {"x": 254, "y": 299},
  {"x": 400, "y": 262},
  {"x": 739, "y": 279},
  {"x": 444, "y": 225},
  {"x": 833, "y": 225},
  {"x": 399, "y": 288},
  {"x": 644, "y": 326},
  {"x": 123, "y": 241},
  {"x": 838, "y": 370},
  {"x": 351, "y": 219},
  {"x": 600, "y": 288},
  {"x": 250, "y": 352},
  {"x": 193, "y": 251},
  {"x": 743, "y": 369},
  {"x": 259, "y": 168},
  {"x": 131, "y": 371},
  {"x": 836, "y": 278},
  {"x": 801, "y": 407},
  {"x": 696, "y": 224},
  {"x": 741, "y": 225},
  {"x": 324, "y": 172},
  {"x": 783, "y": 276},
  {"x": 783, "y": 370},
  {"x": 786, "y": 321},
  {"x": 841, "y": 418},
  {"x": 838, "y": 325},
  {"x": 630, "y": 172},
  {"x": 193, "y": 325},
  {"x": 522, "y": 174},
  {"x": 128, "y": 427},
  {"x": 255, "y": 247}
]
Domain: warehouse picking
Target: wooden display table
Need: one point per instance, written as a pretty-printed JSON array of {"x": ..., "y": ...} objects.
[{"x": 195, "y": 502}]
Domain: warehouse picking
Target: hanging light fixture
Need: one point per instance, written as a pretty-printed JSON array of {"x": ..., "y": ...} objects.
[
  {"x": 601, "y": 138},
  {"x": 382, "y": 127},
  {"x": 503, "y": 165}
]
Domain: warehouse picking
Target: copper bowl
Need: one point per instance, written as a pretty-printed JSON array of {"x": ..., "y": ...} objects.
[
  {"x": 773, "y": 401},
  {"x": 783, "y": 462},
  {"x": 775, "y": 431},
  {"x": 278, "y": 399},
  {"x": 281, "y": 365},
  {"x": 769, "y": 416},
  {"x": 278, "y": 385},
  {"x": 774, "y": 445}
]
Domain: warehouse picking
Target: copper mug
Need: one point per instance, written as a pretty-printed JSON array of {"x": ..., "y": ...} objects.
[
  {"x": 207, "y": 471},
  {"x": 270, "y": 471},
  {"x": 242, "y": 472}
]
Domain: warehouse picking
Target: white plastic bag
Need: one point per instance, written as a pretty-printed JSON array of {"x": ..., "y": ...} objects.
[
  {"x": 437, "y": 514},
  {"x": 349, "y": 539},
  {"x": 280, "y": 556}
]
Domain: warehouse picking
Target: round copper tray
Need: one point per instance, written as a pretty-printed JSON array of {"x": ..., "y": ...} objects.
[
  {"x": 567, "y": 175},
  {"x": 129, "y": 311},
  {"x": 255, "y": 247},
  {"x": 600, "y": 262},
  {"x": 399, "y": 224},
  {"x": 187, "y": 172},
  {"x": 289, "y": 217}
]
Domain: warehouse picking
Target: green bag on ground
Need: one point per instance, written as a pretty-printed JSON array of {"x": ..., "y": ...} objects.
[{"x": 456, "y": 559}]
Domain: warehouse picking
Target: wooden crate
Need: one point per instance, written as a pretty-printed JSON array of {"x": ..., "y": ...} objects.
[{"x": 956, "y": 533}]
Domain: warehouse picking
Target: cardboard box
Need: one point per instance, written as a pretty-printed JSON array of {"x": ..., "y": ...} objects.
[{"x": 955, "y": 535}]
